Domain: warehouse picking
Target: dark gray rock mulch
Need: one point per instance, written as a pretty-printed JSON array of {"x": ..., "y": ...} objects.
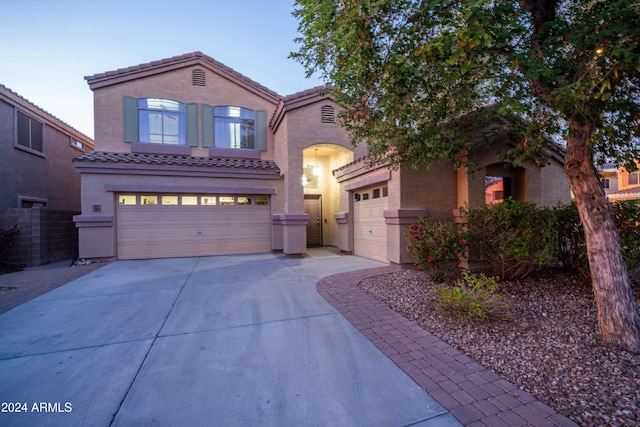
[{"x": 550, "y": 348}]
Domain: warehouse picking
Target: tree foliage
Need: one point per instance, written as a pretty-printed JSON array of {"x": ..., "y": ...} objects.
[
  {"x": 403, "y": 68},
  {"x": 408, "y": 72}
]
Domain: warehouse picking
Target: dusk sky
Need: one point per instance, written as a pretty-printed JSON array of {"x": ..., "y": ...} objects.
[{"x": 48, "y": 47}]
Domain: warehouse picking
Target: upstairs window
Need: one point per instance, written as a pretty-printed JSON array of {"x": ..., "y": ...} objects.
[
  {"x": 161, "y": 121},
  {"x": 76, "y": 144},
  {"x": 234, "y": 127},
  {"x": 30, "y": 133},
  {"x": 634, "y": 178}
]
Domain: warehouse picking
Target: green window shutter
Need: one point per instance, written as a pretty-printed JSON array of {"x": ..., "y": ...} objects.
[
  {"x": 130, "y": 122},
  {"x": 192, "y": 125},
  {"x": 261, "y": 130},
  {"x": 207, "y": 125}
]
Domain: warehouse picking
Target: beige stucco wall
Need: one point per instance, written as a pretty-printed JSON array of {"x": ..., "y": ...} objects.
[
  {"x": 175, "y": 85},
  {"x": 298, "y": 135},
  {"x": 98, "y": 240},
  {"x": 554, "y": 185},
  {"x": 433, "y": 189},
  {"x": 441, "y": 190},
  {"x": 544, "y": 186}
]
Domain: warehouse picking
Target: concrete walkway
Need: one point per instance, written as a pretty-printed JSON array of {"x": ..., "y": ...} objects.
[{"x": 230, "y": 341}]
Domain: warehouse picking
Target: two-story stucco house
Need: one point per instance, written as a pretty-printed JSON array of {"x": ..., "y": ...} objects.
[
  {"x": 39, "y": 187},
  {"x": 193, "y": 158}
]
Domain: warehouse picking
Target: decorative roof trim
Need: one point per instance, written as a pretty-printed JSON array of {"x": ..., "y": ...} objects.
[
  {"x": 186, "y": 189},
  {"x": 109, "y": 78},
  {"x": 12, "y": 98},
  {"x": 355, "y": 168},
  {"x": 299, "y": 100},
  {"x": 151, "y": 164}
]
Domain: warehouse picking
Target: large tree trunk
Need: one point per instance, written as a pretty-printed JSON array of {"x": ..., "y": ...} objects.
[{"x": 618, "y": 318}]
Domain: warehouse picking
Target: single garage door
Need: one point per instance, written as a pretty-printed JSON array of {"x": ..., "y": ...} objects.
[
  {"x": 168, "y": 225},
  {"x": 370, "y": 230}
]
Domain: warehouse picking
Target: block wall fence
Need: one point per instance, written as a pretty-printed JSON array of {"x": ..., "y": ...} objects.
[{"x": 45, "y": 236}]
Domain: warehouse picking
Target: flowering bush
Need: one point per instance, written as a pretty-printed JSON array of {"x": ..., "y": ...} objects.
[
  {"x": 7, "y": 240},
  {"x": 436, "y": 245}
]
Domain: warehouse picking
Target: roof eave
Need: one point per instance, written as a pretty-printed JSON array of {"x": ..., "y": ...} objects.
[
  {"x": 111, "y": 78},
  {"x": 299, "y": 100}
]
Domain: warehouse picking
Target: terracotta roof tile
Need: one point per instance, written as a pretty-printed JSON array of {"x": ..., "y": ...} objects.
[
  {"x": 627, "y": 192},
  {"x": 313, "y": 93},
  {"x": 297, "y": 100},
  {"x": 185, "y": 60},
  {"x": 168, "y": 160},
  {"x": 15, "y": 97}
]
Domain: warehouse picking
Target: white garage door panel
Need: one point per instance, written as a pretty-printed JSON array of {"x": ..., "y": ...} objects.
[
  {"x": 158, "y": 231},
  {"x": 370, "y": 230}
]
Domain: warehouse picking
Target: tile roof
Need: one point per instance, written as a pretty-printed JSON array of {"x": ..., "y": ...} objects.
[
  {"x": 311, "y": 94},
  {"x": 14, "y": 98},
  {"x": 299, "y": 99},
  {"x": 186, "y": 60},
  {"x": 169, "y": 160},
  {"x": 629, "y": 192}
]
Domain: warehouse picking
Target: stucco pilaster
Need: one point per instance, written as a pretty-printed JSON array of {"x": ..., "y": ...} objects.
[
  {"x": 344, "y": 240},
  {"x": 294, "y": 220},
  {"x": 397, "y": 221},
  {"x": 294, "y": 232}
]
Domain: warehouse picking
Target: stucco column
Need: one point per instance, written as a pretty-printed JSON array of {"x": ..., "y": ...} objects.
[
  {"x": 397, "y": 221},
  {"x": 294, "y": 220},
  {"x": 345, "y": 233}
]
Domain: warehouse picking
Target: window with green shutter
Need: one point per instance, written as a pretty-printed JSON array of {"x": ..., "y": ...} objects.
[
  {"x": 160, "y": 121},
  {"x": 233, "y": 127}
]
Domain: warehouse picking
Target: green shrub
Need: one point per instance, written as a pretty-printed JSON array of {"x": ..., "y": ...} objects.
[
  {"x": 436, "y": 246},
  {"x": 626, "y": 214},
  {"x": 513, "y": 236},
  {"x": 474, "y": 297},
  {"x": 572, "y": 247},
  {"x": 7, "y": 240}
]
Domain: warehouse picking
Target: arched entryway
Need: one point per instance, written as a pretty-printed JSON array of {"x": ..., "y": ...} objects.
[{"x": 321, "y": 191}]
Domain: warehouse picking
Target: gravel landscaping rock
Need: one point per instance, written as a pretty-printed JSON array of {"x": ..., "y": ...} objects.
[{"x": 550, "y": 348}]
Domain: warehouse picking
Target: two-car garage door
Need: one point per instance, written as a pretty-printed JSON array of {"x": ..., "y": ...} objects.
[{"x": 178, "y": 225}]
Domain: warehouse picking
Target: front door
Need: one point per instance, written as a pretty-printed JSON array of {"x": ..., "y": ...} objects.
[{"x": 312, "y": 207}]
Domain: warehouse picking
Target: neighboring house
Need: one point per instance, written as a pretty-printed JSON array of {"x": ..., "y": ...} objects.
[
  {"x": 40, "y": 189},
  {"x": 620, "y": 184},
  {"x": 193, "y": 158},
  {"x": 609, "y": 178}
]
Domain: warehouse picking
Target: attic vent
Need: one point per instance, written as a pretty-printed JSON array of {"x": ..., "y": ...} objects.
[
  {"x": 198, "y": 78},
  {"x": 327, "y": 114}
]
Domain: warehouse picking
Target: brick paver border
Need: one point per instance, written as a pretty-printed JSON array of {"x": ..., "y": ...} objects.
[{"x": 475, "y": 395}]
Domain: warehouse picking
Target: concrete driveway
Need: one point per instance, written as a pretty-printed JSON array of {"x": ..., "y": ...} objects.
[{"x": 229, "y": 340}]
